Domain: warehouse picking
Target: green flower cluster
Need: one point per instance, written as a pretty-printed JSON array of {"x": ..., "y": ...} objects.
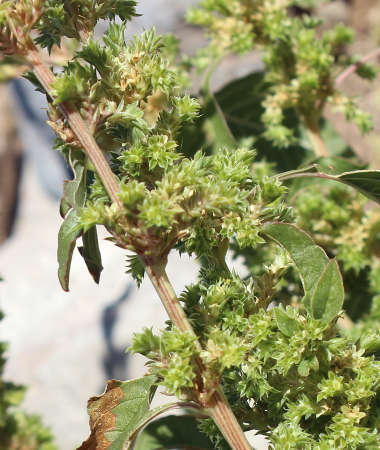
[
  {"x": 285, "y": 369},
  {"x": 132, "y": 98},
  {"x": 197, "y": 202},
  {"x": 172, "y": 357},
  {"x": 301, "y": 63},
  {"x": 284, "y": 373},
  {"x": 338, "y": 220},
  {"x": 75, "y": 18}
]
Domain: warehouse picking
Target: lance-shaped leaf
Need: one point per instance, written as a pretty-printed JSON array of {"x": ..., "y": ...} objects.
[
  {"x": 67, "y": 236},
  {"x": 309, "y": 259},
  {"x": 312, "y": 263},
  {"x": 365, "y": 181},
  {"x": 121, "y": 412},
  {"x": 327, "y": 299},
  {"x": 74, "y": 198},
  {"x": 180, "y": 432},
  {"x": 91, "y": 254},
  {"x": 324, "y": 167},
  {"x": 215, "y": 124},
  {"x": 336, "y": 165}
]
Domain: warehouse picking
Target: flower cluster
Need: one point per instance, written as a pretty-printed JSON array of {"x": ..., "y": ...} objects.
[
  {"x": 289, "y": 376},
  {"x": 301, "y": 63}
]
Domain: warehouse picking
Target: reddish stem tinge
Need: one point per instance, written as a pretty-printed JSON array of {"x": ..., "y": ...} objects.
[{"x": 353, "y": 68}]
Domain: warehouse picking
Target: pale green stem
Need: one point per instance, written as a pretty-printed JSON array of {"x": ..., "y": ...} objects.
[{"x": 317, "y": 142}]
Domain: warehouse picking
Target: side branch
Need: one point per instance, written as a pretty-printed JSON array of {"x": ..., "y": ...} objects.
[{"x": 354, "y": 67}]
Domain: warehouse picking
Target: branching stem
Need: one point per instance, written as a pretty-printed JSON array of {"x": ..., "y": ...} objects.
[{"x": 217, "y": 404}]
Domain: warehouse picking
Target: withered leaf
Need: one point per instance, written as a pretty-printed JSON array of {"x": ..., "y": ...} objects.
[{"x": 116, "y": 415}]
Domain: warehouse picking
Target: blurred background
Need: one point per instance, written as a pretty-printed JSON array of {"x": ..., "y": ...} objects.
[{"x": 64, "y": 346}]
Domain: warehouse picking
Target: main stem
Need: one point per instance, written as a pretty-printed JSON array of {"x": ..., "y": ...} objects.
[
  {"x": 217, "y": 404},
  {"x": 317, "y": 142}
]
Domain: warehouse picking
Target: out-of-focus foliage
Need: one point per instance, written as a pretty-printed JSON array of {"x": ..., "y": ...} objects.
[
  {"x": 301, "y": 64},
  {"x": 19, "y": 430}
]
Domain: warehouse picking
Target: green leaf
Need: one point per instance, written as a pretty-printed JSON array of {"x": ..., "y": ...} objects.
[
  {"x": 91, "y": 254},
  {"x": 64, "y": 207},
  {"x": 304, "y": 369},
  {"x": 242, "y": 104},
  {"x": 215, "y": 125},
  {"x": 180, "y": 432},
  {"x": 67, "y": 236},
  {"x": 74, "y": 198},
  {"x": 121, "y": 412},
  {"x": 309, "y": 259},
  {"x": 237, "y": 109},
  {"x": 329, "y": 165},
  {"x": 74, "y": 191},
  {"x": 327, "y": 299},
  {"x": 286, "y": 324},
  {"x": 308, "y": 364},
  {"x": 365, "y": 181},
  {"x": 336, "y": 165},
  {"x": 321, "y": 278}
]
